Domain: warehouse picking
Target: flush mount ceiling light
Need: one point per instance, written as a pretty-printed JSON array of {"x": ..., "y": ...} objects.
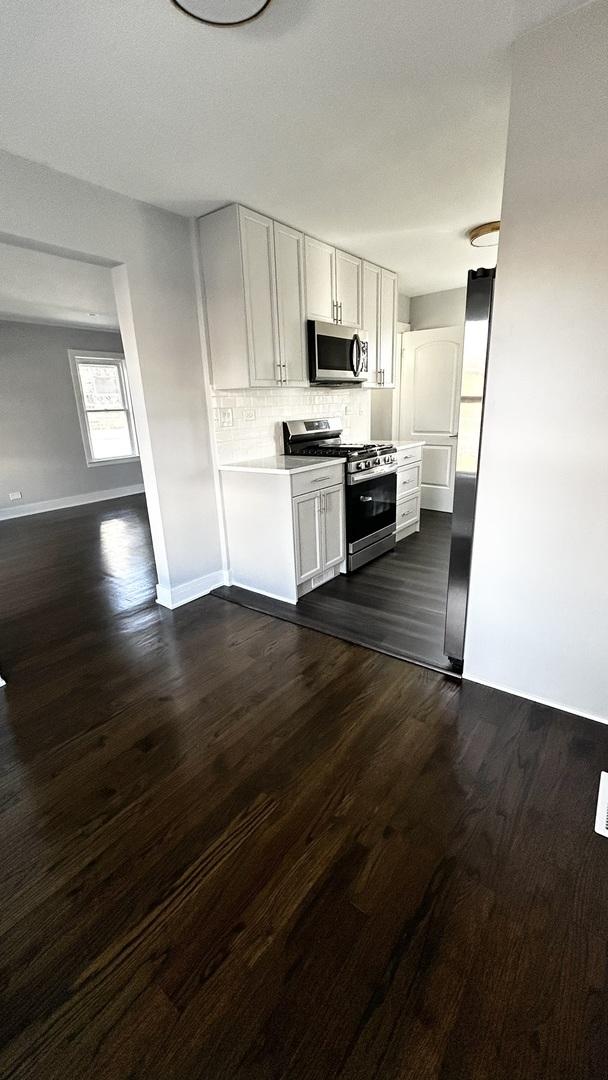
[
  {"x": 222, "y": 12},
  {"x": 485, "y": 235}
]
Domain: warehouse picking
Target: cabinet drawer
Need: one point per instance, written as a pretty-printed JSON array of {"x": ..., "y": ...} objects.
[
  {"x": 408, "y": 479},
  {"x": 316, "y": 479},
  {"x": 408, "y": 454},
  {"x": 408, "y": 511}
]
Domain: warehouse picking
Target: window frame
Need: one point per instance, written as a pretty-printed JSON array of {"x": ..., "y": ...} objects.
[{"x": 78, "y": 356}]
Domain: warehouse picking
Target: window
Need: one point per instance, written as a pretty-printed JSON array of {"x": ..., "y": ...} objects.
[{"x": 104, "y": 407}]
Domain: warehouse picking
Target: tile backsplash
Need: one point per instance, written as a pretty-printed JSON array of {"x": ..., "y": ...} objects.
[{"x": 248, "y": 422}]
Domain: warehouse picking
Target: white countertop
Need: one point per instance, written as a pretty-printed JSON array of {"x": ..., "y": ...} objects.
[
  {"x": 282, "y": 464},
  {"x": 412, "y": 442}
]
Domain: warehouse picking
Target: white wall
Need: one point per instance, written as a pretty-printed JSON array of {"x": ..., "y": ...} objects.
[
  {"x": 433, "y": 310},
  {"x": 248, "y": 423},
  {"x": 150, "y": 251},
  {"x": 538, "y": 611},
  {"x": 41, "y": 449},
  {"x": 403, "y": 308}
]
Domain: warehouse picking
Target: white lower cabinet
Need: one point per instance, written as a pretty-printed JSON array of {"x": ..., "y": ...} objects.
[
  {"x": 307, "y": 536},
  {"x": 334, "y": 527},
  {"x": 318, "y": 526},
  {"x": 409, "y": 470},
  {"x": 285, "y": 526}
]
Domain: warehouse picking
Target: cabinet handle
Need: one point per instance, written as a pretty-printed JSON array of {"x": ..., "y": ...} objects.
[
  {"x": 279, "y": 376},
  {"x": 334, "y": 311},
  {"x": 340, "y": 319},
  {"x": 319, "y": 479}
]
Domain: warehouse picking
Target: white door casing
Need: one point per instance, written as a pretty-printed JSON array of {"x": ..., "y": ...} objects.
[{"x": 429, "y": 405}]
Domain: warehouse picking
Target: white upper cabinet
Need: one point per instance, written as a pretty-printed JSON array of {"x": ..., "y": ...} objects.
[
  {"x": 262, "y": 280},
  {"x": 333, "y": 284},
  {"x": 388, "y": 328},
  {"x": 237, "y": 259},
  {"x": 371, "y": 316},
  {"x": 289, "y": 264},
  {"x": 320, "y": 280},
  {"x": 348, "y": 289},
  {"x": 257, "y": 240},
  {"x": 380, "y": 322}
]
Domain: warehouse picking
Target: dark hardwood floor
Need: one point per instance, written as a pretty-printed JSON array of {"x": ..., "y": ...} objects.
[
  {"x": 232, "y": 848},
  {"x": 395, "y": 604}
]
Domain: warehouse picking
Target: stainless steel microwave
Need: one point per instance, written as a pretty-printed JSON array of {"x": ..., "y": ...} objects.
[{"x": 336, "y": 354}]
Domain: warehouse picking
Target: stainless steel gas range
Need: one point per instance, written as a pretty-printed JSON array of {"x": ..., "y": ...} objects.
[{"x": 371, "y": 484}]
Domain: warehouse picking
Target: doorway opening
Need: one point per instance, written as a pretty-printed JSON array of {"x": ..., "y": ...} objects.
[
  {"x": 409, "y": 600},
  {"x": 74, "y": 530}
]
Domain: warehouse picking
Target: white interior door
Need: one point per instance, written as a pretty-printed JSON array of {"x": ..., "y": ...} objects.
[{"x": 429, "y": 403}]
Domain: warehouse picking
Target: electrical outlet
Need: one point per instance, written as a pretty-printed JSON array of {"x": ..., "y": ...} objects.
[
  {"x": 249, "y": 414},
  {"x": 14, "y": 496},
  {"x": 225, "y": 417}
]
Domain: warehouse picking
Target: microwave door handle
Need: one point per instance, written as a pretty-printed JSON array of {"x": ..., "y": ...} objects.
[{"x": 355, "y": 355}]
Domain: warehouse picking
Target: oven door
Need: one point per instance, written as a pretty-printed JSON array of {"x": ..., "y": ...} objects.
[
  {"x": 336, "y": 353},
  {"x": 371, "y": 510}
]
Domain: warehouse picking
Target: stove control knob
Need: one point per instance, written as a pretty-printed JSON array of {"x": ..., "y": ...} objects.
[
  {"x": 368, "y": 464},
  {"x": 359, "y": 464},
  {"x": 377, "y": 461}
]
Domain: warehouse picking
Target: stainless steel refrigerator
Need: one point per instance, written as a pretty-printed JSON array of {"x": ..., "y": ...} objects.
[{"x": 478, "y": 320}]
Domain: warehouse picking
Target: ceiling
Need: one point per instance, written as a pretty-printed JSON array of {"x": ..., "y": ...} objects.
[
  {"x": 380, "y": 127},
  {"x": 38, "y": 287}
]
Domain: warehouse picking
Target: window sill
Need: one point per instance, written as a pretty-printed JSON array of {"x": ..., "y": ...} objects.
[{"x": 113, "y": 461}]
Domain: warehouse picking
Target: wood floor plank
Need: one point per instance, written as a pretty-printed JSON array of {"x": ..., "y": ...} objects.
[
  {"x": 234, "y": 848},
  {"x": 395, "y": 604}
]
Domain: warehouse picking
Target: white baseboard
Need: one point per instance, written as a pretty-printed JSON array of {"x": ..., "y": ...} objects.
[
  {"x": 69, "y": 500},
  {"x": 468, "y": 677},
  {"x": 190, "y": 590}
]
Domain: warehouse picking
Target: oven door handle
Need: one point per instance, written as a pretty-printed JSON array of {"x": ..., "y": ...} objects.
[{"x": 355, "y": 355}]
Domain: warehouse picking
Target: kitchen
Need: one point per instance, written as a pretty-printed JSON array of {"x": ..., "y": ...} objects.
[{"x": 315, "y": 509}]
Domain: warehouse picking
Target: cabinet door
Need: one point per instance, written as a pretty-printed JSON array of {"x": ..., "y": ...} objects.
[
  {"x": 257, "y": 244},
  {"x": 320, "y": 279},
  {"x": 307, "y": 535},
  {"x": 333, "y": 526},
  {"x": 348, "y": 289},
  {"x": 388, "y": 327},
  {"x": 371, "y": 316},
  {"x": 289, "y": 263}
]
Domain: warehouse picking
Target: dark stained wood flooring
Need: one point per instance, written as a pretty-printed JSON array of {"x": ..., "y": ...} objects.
[
  {"x": 395, "y": 604},
  {"x": 232, "y": 848}
]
